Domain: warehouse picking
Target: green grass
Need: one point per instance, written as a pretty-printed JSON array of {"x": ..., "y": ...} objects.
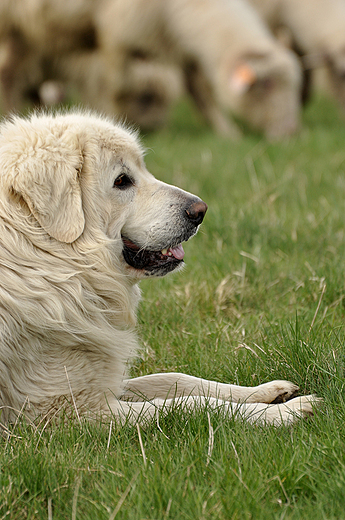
[{"x": 262, "y": 297}]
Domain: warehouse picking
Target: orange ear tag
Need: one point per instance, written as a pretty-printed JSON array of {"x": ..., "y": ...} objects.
[{"x": 242, "y": 78}]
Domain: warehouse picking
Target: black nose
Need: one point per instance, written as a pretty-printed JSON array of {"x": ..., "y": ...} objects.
[{"x": 196, "y": 212}]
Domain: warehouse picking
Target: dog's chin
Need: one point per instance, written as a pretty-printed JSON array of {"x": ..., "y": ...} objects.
[{"x": 146, "y": 262}]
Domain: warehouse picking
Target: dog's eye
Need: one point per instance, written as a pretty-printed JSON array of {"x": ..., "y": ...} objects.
[{"x": 123, "y": 181}]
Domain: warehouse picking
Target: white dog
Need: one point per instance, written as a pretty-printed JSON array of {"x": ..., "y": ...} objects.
[{"x": 81, "y": 222}]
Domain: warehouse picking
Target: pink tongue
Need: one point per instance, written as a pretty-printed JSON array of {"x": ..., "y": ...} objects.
[{"x": 177, "y": 252}]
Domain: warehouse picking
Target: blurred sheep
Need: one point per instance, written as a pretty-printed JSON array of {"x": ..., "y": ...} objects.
[
  {"x": 48, "y": 49},
  {"x": 317, "y": 32},
  {"x": 34, "y": 36},
  {"x": 128, "y": 59},
  {"x": 231, "y": 61}
]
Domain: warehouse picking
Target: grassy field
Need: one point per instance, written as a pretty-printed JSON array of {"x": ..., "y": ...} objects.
[{"x": 262, "y": 297}]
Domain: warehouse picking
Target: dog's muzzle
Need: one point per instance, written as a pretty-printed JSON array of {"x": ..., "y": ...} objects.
[{"x": 160, "y": 262}]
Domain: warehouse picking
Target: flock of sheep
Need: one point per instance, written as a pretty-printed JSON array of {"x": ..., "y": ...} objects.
[{"x": 252, "y": 59}]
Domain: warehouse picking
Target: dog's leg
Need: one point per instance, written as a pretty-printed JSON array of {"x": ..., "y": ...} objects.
[
  {"x": 173, "y": 384},
  {"x": 256, "y": 413}
]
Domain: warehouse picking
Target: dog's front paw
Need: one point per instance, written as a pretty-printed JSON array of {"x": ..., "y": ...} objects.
[
  {"x": 290, "y": 412},
  {"x": 273, "y": 392}
]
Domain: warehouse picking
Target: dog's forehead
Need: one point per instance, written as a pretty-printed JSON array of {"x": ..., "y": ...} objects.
[
  {"x": 120, "y": 140},
  {"x": 122, "y": 144}
]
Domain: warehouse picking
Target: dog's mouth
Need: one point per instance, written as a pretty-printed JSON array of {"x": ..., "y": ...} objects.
[{"x": 152, "y": 262}]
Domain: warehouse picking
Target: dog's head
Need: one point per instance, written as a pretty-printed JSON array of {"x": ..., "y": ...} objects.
[{"x": 82, "y": 178}]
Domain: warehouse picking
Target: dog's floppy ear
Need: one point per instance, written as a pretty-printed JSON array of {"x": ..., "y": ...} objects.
[{"x": 49, "y": 184}]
